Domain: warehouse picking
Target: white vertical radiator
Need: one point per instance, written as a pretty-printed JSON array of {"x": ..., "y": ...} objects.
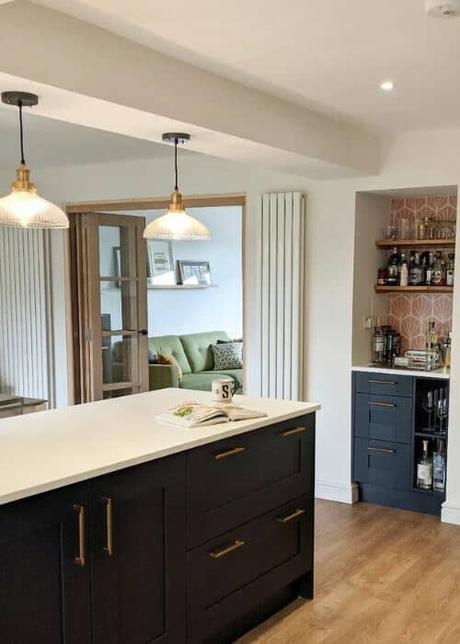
[
  {"x": 282, "y": 295},
  {"x": 25, "y": 314}
]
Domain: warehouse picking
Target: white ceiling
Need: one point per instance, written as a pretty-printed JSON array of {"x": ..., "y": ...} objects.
[
  {"x": 49, "y": 142},
  {"x": 327, "y": 54}
]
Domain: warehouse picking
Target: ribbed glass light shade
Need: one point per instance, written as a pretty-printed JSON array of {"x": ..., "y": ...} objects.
[
  {"x": 24, "y": 208},
  {"x": 176, "y": 224}
]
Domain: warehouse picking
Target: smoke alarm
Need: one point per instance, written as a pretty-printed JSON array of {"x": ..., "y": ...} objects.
[{"x": 443, "y": 8}]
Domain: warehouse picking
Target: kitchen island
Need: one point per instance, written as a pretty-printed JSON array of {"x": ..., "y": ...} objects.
[{"x": 116, "y": 528}]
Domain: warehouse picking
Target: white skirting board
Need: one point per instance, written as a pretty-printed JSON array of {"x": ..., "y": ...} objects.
[
  {"x": 26, "y": 361},
  {"x": 282, "y": 295},
  {"x": 336, "y": 491},
  {"x": 450, "y": 513}
]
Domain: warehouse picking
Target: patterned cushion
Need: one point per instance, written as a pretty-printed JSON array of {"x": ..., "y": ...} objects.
[{"x": 228, "y": 355}]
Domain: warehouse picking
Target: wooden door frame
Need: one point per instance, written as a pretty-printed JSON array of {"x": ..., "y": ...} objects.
[{"x": 137, "y": 204}]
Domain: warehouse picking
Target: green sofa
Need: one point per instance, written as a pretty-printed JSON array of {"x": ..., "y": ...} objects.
[{"x": 194, "y": 354}]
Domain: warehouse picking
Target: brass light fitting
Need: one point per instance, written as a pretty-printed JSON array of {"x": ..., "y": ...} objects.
[{"x": 23, "y": 207}]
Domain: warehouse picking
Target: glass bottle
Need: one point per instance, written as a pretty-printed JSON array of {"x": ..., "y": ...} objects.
[
  {"x": 416, "y": 271},
  {"x": 438, "y": 275},
  {"x": 403, "y": 271},
  {"x": 378, "y": 345},
  {"x": 429, "y": 270},
  {"x": 439, "y": 466},
  {"x": 393, "y": 267},
  {"x": 425, "y": 469},
  {"x": 450, "y": 270}
]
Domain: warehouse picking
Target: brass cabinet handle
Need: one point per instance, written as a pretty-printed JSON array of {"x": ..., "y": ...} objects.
[
  {"x": 290, "y": 517},
  {"x": 382, "y": 404},
  {"x": 80, "y": 559},
  {"x": 382, "y": 450},
  {"x": 108, "y": 548},
  {"x": 230, "y": 452},
  {"x": 291, "y": 432},
  {"x": 217, "y": 554},
  {"x": 382, "y": 382}
]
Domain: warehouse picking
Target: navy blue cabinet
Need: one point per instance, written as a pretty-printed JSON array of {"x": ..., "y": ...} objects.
[{"x": 384, "y": 441}]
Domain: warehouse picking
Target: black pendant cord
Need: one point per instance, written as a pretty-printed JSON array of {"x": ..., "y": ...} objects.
[
  {"x": 21, "y": 133},
  {"x": 176, "y": 171}
]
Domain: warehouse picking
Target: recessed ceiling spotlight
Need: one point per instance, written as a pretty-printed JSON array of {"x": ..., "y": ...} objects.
[
  {"x": 443, "y": 8},
  {"x": 387, "y": 85}
]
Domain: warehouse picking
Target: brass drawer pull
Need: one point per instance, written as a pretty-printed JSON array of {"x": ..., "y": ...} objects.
[
  {"x": 382, "y": 382},
  {"x": 381, "y": 450},
  {"x": 108, "y": 548},
  {"x": 230, "y": 452},
  {"x": 290, "y": 517},
  {"x": 382, "y": 404},
  {"x": 217, "y": 554},
  {"x": 80, "y": 559},
  {"x": 291, "y": 432}
]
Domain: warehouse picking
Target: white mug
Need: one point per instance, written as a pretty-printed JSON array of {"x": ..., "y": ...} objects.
[{"x": 223, "y": 390}]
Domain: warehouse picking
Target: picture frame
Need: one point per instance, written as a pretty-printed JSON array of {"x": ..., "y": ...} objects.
[
  {"x": 160, "y": 263},
  {"x": 194, "y": 273}
]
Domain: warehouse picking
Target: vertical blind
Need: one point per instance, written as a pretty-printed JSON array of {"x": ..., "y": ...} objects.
[
  {"x": 282, "y": 295},
  {"x": 25, "y": 314}
]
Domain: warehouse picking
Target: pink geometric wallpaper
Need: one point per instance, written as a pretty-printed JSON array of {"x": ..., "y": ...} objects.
[
  {"x": 410, "y": 314},
  {"x": 442, "y": 208}
]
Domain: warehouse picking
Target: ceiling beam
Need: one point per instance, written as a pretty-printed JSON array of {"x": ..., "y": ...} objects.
[{"x": 90, "y": 76}]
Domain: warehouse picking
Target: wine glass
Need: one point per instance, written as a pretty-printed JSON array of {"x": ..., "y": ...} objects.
[
  {"x": 429, "y": 407},
  {"x": 442, "y": 412}
]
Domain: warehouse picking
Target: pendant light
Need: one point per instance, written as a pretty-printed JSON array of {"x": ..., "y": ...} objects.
[
  {"x": 23, "y": 207},
  {"x": 176, "y": 224}
]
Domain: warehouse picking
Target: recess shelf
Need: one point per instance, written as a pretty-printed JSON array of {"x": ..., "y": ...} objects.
[
  {"x": 415, "y": 243},
  {"x": 414, "y": 289}
]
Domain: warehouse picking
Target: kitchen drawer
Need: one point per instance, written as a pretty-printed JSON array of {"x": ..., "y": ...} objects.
[
  {"x": 382, "y": 417},
  {"x": 234, "y": 480},
  {"x": 382, "y": 463},
  {"x": 383, "y": 384},
  {"x": 228, "y": 572}
]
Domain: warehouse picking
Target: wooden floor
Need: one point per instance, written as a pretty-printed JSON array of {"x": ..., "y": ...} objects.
[{"x": 382, "y": 575}]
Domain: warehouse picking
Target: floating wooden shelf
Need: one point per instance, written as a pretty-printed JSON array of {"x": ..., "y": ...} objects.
[
  {"x": 414, "y": 289},
  {"x": 415, "y": 243}
]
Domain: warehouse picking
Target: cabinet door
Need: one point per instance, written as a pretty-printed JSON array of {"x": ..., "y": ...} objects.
[
  {"x": 138, "y": 554},
  {"x": 44, "y": 589}
]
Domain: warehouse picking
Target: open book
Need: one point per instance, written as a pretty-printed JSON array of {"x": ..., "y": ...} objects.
[{"x": 193, "y": 414}]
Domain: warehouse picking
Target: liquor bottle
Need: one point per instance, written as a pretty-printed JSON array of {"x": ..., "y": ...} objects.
[
  {"x": 429, "y": 270},
  {"x": 378, "y": 345},
  {"x": 438, "y": 275},
  {"x": 439, "y": 467},
  {"x": 403, "y": 271},
  {"x": 393, "y": 267},
  {"x": 425, "y": 469},
  {"x": 416, "y": 271},
  {"x": 450, "y": 270}
]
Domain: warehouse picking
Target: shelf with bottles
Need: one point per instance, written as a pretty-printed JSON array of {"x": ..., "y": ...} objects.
[
  {"x": 417, "y": 272},
  {"x": 413, "y": 289},
  {"x": 430, "y": 465},
  {"x": 430, "y": 435},
  {"x": 415, "y": 243}
]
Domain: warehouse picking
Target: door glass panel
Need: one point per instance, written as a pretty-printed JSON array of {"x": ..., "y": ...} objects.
[
  {"x": 118, "y": 359},
  {"x": 117, "y": 250},
  {"x": 118, "y": 305}
]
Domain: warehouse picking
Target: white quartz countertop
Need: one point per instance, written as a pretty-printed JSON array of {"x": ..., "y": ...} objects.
[
  {"x": 49, "y": 449},
  {"x": 436, "y": 373}
]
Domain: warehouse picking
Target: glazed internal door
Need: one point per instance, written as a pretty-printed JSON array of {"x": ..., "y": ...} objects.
[{"x": 114, "y": 356}]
